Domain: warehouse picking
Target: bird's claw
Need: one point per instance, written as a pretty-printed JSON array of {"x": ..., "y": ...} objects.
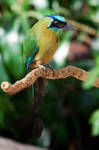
[{"x": 40, "y": 66}]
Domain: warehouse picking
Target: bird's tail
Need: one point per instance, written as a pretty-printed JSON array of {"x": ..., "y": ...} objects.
[{"x": 39, "y": 90}]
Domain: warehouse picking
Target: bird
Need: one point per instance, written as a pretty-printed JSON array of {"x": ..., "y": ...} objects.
[
  {"x": 42, "y": 40},
  {"x": 40, "y": 44}
]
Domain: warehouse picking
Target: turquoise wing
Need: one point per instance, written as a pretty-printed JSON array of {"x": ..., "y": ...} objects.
[{"x": 30, "y": 48}]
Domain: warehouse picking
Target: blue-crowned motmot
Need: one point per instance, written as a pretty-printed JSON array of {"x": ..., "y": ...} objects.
[{"x": 42, "y": 41}]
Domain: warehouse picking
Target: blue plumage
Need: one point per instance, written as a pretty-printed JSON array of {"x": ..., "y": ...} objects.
[
  {"x": 57, "y": 18},
  {"x": 54, "y": 28},
  {"x": 60, "y": 18},
  {"x": 30, "y": 58}
]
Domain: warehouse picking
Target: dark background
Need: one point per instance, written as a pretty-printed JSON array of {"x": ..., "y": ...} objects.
[{"x": 70, "y": 112}]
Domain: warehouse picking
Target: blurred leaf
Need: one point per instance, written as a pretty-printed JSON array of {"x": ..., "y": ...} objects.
[
  {"x": 94, "y": 14},
  {"x": 40, "y": 4},
  {"x": 81, "y": 36},
  {"x": 3, "y": 73},
  {"x": 12, "y": 54},
  {"x": 25, "y": 25},
  {"x": 91, "y": 78},
  {"x": 94, "y": 121},
  {"x": 76, "y": 5},
  {"x": 11, "y": 2},
  {"x": 46, "y": 11},
  {"x": 93, "y": 2},
  {"x": 94, "y": 73},
  {"x": 25, "y": 4},
  {"x": 95, "y": 50}
]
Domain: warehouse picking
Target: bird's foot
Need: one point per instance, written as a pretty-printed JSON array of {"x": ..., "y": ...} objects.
[
  {"x": 40, "y": 66},
  {"x": 54, "y": 73}
]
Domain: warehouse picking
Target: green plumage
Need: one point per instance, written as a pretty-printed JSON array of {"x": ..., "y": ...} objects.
[
  {"x": 30, "y": 48},
  {"x": 29, "y": 45},
  {"x": 46, "y": 39},
  {"x": 42, "y": 40}
]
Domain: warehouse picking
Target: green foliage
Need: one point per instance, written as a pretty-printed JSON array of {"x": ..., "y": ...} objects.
[
  {"x": 94, "y": 121},
  {"x": 11, "y": 50},
  {"x": 94, "y": 72}
]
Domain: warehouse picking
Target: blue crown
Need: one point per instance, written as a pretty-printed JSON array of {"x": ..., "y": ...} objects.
[{"x": 56, "y": 17}]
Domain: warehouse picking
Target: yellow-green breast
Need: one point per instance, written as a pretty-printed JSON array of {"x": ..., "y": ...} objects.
[{"x": 47, "y": 40}]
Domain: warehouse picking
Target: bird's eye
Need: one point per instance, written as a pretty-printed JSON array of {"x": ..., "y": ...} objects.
[{"x": 55, "y": 22}]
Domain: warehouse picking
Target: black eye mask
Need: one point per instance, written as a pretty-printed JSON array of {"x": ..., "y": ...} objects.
[{"x": 58, "y": 24}]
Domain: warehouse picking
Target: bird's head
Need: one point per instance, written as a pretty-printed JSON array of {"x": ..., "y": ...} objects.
[{"x": 59, "y": 22}]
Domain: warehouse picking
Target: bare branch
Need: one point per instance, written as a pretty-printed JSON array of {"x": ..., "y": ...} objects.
[{"x": 31, "y": 77}]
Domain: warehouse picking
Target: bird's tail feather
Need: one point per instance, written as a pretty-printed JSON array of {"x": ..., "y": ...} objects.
[{"x": 39, "y": 90}]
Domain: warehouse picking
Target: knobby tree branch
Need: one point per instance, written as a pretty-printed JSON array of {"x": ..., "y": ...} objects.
[{"x": 48, "y": 73}]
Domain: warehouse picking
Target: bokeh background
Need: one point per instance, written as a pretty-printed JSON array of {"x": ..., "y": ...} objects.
[{"x": 70, "y": 110}]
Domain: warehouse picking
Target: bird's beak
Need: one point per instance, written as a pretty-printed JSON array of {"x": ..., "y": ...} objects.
[{"x": 68, "y": 26}]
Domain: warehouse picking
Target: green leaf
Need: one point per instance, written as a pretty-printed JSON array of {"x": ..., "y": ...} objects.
[
  {"x": 11, "y": 2},
  {"x": 11, "y": 50},
  {"x": 93, "y": 2},
  {"x": 3, "y": 73},
  {"x": 94, "y": 121},
  {"x": 91, "y": 79}
]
